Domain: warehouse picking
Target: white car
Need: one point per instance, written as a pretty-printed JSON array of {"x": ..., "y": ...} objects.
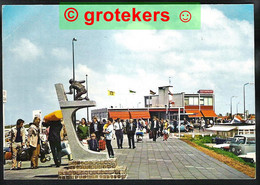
[{"x": 250, "y": 157}]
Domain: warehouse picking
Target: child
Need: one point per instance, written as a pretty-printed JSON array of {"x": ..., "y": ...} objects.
[
  {"x": 102, "y": 143},
  {"x": 165, "y": 131},
  {"x": 93, "y": 143}
]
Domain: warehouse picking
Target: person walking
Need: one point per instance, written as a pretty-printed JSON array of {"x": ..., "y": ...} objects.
[
  {"x": 108, "y": 134},
  {"x": 17, "y": 142},
  {"x": 166, "y": 130},
  {"x": 130, "y": 129},
  {"x": 34, "y": 142},
  {"x": 161, "y": 124},
  {"x": 154, "y": 127},
  {"x": 54, "y": 139},
  {"x": 118, "y": 126}
]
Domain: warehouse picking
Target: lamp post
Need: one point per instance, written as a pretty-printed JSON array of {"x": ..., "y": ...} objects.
[
  {"x": 74, "y": 39},
  {"x": 87, "y": 95},
  {"x": 237, "y": 107},
  {"x": 231, "y": 105},
  {"x": 166, "y": 111},
  {"x": 244, "y": 96}
]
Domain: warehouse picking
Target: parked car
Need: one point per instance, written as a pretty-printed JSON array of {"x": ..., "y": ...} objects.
[
  {"x": 225, "y": 145},
  {"x": 249, "y": 157},
  {"x": 243, "y": 144},
  {"x": 7, "y": 154},
  {"x": 183, "y": 128}
]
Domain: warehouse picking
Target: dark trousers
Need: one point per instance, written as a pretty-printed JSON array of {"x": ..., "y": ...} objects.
[
  {"x": 109, "y": 148},
  {"x": 154, "y": 134},
  {"x": 131, "y": 140},
  {"x": 56, "y": 152},
  {"x": 119, "y": 138}
]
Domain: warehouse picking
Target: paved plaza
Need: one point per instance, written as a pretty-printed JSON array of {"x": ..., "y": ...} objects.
[{"x": 172, "y": 159}]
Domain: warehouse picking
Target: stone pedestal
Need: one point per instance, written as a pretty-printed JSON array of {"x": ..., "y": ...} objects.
[
  {"x": 93, "y": 169},
  {"x": 69, "y": 108}
]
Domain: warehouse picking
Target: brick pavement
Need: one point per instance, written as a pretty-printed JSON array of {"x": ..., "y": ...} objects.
[{"x": 172, "y": 159}]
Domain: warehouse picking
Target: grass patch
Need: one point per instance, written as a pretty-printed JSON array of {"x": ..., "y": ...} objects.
[{"x": 199, "y": 140}]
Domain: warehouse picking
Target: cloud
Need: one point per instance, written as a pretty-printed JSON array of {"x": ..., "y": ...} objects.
[
  {"x": 61, "y": 53},
  {"x": 219, "y": 56},
  {"x": 25, "y": 50}
]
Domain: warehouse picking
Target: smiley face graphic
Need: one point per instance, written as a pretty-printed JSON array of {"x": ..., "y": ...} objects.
[{"x": 185, "y": 16}]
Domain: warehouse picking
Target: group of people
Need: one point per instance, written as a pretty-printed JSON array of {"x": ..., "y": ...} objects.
[
  {"x": 99, "y": 134},
  {"x": 202, "y": 123},
  {"x": 95, "y": 132},
  {"x": 19, "y": 142}
]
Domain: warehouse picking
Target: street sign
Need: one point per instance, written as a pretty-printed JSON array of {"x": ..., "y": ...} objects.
[{"x": 206, "y": 91}]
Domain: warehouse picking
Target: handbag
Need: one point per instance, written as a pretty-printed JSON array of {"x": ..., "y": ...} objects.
[{"x": 23, "y": 154}]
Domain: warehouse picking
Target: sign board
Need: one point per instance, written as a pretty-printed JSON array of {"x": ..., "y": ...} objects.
[
  {"x": 206, "y": 91},
  {"x": 4, "y": 96}
]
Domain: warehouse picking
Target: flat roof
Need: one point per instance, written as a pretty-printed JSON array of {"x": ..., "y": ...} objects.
[{"x": 221, "y": 128}]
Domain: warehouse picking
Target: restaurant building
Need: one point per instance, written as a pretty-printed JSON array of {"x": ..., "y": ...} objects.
[{"x": 166, "y": 104}]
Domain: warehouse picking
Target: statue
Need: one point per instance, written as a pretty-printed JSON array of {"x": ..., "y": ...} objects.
[{"x": 77, "y": 85}]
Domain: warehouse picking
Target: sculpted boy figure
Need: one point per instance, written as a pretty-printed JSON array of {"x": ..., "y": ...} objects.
[{"x": 80, "y": 89}]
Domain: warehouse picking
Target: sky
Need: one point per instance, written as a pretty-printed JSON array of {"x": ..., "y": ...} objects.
[{"x": 37, "y": 55}]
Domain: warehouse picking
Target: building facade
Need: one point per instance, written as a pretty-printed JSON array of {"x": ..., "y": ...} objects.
[{"x": 167, "y": 105}]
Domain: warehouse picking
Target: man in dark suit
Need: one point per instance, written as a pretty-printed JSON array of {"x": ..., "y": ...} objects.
[
  {"x": 96, "y": 128},
  {"x": 130, "y": 130},
  {"x": 155, "y": 127}
]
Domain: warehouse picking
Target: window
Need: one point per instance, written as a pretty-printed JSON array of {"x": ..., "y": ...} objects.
[
  {"x": 196, "y": 100},
  {"x": 191, "y": 100},
  {"x": 206, "y": 101},
  {"x": 201, "y": 101},
  {"x": 250, "y": 140}
]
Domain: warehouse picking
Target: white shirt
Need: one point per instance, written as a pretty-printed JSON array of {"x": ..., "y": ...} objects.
[
  {"x": 118, "y": 126},
  {"x": 95, "y": 127},
  {"x": 131, "y": 126},
  {"x": 154, "y": 124},
  {"x": 110, "y": 134}
]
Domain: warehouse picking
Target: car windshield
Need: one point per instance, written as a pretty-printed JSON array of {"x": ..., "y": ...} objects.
[{"x": 238, "y": 140}]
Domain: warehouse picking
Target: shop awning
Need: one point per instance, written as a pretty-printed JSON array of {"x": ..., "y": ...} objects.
[
  {"x": 140, "y": 114},
  {"x": 196, "y": 113},
  {"x": 119, "y": 114},
  {"x": 209, "y": 113}
]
